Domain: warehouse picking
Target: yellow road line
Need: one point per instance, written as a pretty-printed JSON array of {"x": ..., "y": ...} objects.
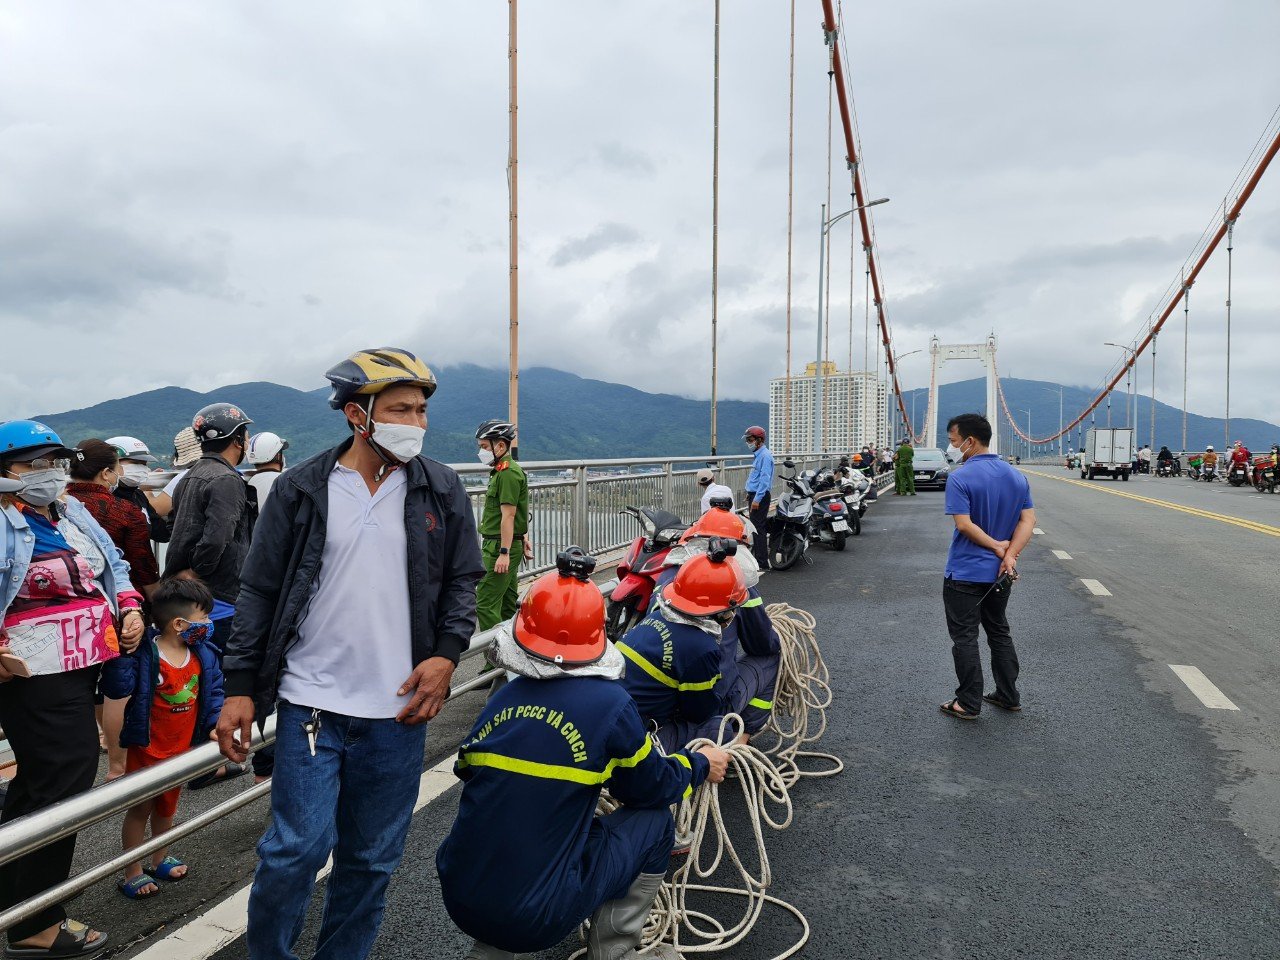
[{"x": 1253, "y": 525}]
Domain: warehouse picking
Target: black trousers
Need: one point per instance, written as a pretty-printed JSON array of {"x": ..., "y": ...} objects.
[
  {"x": 50, "y": 725},
  {"x": 970, "y": 605},
  {"x": 760, "y": 519}
]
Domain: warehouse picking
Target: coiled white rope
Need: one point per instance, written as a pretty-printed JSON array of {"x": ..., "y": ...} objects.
[{"x": 800, "y": 698}]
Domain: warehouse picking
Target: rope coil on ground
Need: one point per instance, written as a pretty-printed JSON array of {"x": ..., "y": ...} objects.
[
  {"x": 801, "y": 696},
  {"x": 765, "y": 777}
]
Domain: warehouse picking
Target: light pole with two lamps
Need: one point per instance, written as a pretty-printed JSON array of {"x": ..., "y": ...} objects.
[
  {"x": 819, "y": 372},
  {"x": 1128, "y": 373}
]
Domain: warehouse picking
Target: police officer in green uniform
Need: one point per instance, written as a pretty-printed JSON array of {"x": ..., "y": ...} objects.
[
  {"x": 504, "y": 526},
  {"x": 904, "y": 467}
]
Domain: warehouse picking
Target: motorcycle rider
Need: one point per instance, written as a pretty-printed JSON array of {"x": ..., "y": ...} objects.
[
  {"x": 759, "y": 489},
  {"x": 1164, "y": 458},
  {"x": 1241, "y": 457},
  {"x": 1209, "y": 463},
  {"x": 527, "y": 860}
]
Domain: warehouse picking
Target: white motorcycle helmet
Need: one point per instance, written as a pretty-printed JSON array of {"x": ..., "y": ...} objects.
[
  {"x": 265, "y": 447},
  {"x": 131, "y": 448}
]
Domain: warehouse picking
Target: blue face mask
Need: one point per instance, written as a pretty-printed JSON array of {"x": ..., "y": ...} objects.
[{"x": 196, "y": 631}]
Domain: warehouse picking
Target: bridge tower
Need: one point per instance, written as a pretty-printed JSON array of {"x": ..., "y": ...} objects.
[{"x": 940, "y": 354}]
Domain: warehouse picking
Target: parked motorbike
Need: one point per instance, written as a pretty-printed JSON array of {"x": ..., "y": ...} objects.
[
  {"x": 1164, "y": 468},
  {"x": 855, "y": 504},
  {"x": 1238, "y": 475},
  {"x": 829, "y": 519},
  {"x": 638, "y": 571},
  {"x": 789, "y": 525},
  {"x": 1208, "y": 473}
]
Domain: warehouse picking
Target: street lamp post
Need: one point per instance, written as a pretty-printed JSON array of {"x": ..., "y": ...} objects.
[
  {"x": 819, "y": 373},
  {"x": 897, "y": 358},
  {"x": 1128, "y": 374}
]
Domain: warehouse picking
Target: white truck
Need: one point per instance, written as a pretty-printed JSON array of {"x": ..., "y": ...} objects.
[{"x": 1108, "y": 452}]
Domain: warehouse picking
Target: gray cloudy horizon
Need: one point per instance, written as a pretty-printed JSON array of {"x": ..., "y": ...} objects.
[{"x": 208, "y": 194}]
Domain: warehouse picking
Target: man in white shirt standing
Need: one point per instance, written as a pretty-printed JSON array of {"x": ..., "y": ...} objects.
[
  {"x": 712, "y": 490},
  {"x": 357, "y": 599}
]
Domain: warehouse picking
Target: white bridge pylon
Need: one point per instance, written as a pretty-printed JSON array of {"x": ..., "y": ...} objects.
[{"x": 940, "y": 353}]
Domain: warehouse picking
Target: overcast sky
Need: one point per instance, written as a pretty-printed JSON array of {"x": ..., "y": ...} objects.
[{"x": 208, "y": 193}]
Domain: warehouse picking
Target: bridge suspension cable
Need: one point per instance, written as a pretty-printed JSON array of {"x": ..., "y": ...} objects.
[
  {"x": 832, "y": 34},
  {"x": 1210, "y": 238}
]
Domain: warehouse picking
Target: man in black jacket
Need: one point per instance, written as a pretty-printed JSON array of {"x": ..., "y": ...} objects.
[
  {"x": 214, "y": 513},
  {"x": 356, "y": 601}
]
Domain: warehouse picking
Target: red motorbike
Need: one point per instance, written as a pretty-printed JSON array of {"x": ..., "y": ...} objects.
[{"x": 639, "y": 570}]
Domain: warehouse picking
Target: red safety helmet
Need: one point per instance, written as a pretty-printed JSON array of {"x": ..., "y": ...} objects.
[
  {"x": 561, "y": 618},
  {"x": 717, "y": 522},
  {"x": 754, "y": 433},
  {"x": 709, "y": 583}
]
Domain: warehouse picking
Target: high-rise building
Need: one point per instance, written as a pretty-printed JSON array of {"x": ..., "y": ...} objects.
[{"x": 853, "y": 407}]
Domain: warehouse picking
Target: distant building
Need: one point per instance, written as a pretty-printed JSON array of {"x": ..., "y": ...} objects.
[{"x": 854, "y": 407}]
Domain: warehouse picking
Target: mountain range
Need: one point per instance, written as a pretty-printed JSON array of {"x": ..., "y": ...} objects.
[
  {"x": 1041, "y": 398},
  {"x": 563, "y": 416}
]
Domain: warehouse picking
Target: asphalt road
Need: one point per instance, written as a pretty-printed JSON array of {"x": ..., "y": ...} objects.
[{"x": 1117, "y": 816}]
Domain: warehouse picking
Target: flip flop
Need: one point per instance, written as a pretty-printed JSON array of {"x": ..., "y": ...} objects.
[
  {"x": 164, "y": 869},
  {"x": 952, "y": 708},
  {"x": 133, "y": 888},
  {"x": 72, "y": 941},
  {"x": 211, "y": 779},
  {"x": 1002, "y": 703}
]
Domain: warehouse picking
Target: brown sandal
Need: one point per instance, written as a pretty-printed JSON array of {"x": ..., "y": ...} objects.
[{"x": 953, "y": 708}]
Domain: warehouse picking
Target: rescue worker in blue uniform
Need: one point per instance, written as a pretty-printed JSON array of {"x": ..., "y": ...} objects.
[
  {"x": 750, "y": 649},
  {"x": 675, "y": 668},
  {"x": 527, "y": 859}
]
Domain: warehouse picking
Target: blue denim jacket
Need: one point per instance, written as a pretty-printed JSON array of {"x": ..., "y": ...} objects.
[{"x": 18, "y": 543}]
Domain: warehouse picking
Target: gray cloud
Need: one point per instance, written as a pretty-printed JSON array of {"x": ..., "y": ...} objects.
[
  {"x": 607, "y": 236},
  {"x": 1047, "y": 176}
]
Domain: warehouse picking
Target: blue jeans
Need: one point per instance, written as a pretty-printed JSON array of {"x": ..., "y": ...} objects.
[{"x": 353, "y": 799}]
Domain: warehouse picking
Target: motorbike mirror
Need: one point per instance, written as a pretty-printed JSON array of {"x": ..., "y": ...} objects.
[{"x": 789, "y": 464}]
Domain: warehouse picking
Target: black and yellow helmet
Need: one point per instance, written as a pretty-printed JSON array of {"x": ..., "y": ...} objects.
[{"x": 371, "y": 371}]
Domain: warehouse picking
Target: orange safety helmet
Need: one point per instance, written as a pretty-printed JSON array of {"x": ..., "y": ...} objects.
[
  {"x": 717, "y": 522},
  {"x": 709, "y": 583},
  {"x": 561, "y": 618}
]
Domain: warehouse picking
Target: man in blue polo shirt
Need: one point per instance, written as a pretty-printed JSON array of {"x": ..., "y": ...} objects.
[{"x": 990, "y": 502}]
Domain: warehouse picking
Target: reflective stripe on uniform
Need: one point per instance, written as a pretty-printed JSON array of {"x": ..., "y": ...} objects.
[
  {"x": 760, "y": 704},
  {"x": 554, "y": 771},
  {"x": 753, "y": 602},
  {"x": 661, "y": 677}
]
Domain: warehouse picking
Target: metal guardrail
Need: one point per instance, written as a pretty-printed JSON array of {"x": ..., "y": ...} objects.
[
  {"x": 37, "y": 830},
  {"x": 581, "y": 501},
  {"x": 570, "y": 502}
]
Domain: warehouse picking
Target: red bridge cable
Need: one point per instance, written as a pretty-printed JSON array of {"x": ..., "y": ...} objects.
[
  {"x": 842, "y": 96},
  {"x": 1228, "y": 221}
]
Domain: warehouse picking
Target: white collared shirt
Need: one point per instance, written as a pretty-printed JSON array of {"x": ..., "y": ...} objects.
[{"x": 354, "y": 646}]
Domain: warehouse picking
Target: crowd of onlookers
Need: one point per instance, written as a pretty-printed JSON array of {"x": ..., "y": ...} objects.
[{"x": 117, "y": 584}]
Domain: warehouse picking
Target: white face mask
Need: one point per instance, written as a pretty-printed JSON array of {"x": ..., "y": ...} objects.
[
  {"x": 133, "y": 474},
  {"x": 958, "y": 453},
  {"x": 403, "y": 441},
  {"x": 486, "y": 457},
  {"x": 41, "y": 487}
]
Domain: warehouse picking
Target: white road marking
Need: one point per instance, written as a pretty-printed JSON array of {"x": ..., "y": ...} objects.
[
  {"x": 1062, "y": 555},
  {"x": 225, "y": 922},
  {"x": 1202, "y": 687},
  {"x": 1097, "y": 589},
  {"x": 1037, "y": 531}
]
